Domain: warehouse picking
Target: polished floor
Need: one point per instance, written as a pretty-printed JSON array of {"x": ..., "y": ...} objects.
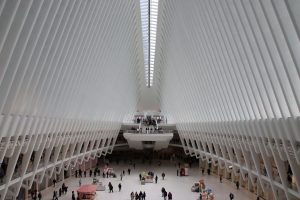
[{"x": 180, "y": 187}]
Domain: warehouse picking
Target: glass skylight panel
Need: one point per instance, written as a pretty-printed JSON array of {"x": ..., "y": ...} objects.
[{"x": 149, "y": 11}]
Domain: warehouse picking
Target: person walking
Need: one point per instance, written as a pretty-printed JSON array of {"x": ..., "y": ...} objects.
[
  {"x": 165, "y": 195},
  {"x": 120, "y": 186},
  {"x": 169, "y": 196},
  {"x": 110, "y": 187},
  {"x": 128, "y": 171},
  {"x": 79, "y": 182},
  {"x": 237, "y": 185},
  {"x": 163, "y": 191},
  {"x": 136, "y": 196},
  {"x": 121, "y": 176},
  {"x": 221, "y": 178},
  {"x": 73, "y": 195},
  {"x": 55, "y": 195},
  {"x": 140, "y": 195},
  {"x": 132, "y": 196},
  {"x": 231, "y": 196},
  {"x": 144, "y": 195},
  {"x": 140, "y": 175},
  {"x": 163, "y": 175},
  {"x": 156, "y": 179}
]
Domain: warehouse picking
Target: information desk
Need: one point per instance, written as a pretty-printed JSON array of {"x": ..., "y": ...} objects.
[{"x": 87, "y": 192}]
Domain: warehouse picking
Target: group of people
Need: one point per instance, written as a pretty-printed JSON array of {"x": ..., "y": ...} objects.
[
  {"x": 62, "y": 190},
  {"x": 138, "y": 196},
  {"x": 35, "y": 195},
  {"x": 78, "y": 173},
  {"x": 165, "y": 194},
  {"x": 111, "y": 187}
]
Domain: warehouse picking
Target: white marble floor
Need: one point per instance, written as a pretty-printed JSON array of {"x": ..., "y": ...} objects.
[{"x": 180, "y": 187}]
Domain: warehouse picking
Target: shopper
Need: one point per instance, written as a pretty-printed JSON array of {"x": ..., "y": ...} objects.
[
  {"x": 156, "y": 179},
  {"x": 120, "y": 186},
  {"x": 79, "y": 182},
  {"x": 221, "y": 178}
]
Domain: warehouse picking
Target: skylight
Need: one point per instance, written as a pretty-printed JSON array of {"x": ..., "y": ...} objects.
[{"x": 149, "y": 10}]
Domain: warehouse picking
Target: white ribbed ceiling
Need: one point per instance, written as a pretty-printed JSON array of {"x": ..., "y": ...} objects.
[
  {"x": 215, "y": 60},
  {"x": 70, "y": 59},
  {"x": 228, "y": 60},
  {"x": 226, "y": 72}
]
